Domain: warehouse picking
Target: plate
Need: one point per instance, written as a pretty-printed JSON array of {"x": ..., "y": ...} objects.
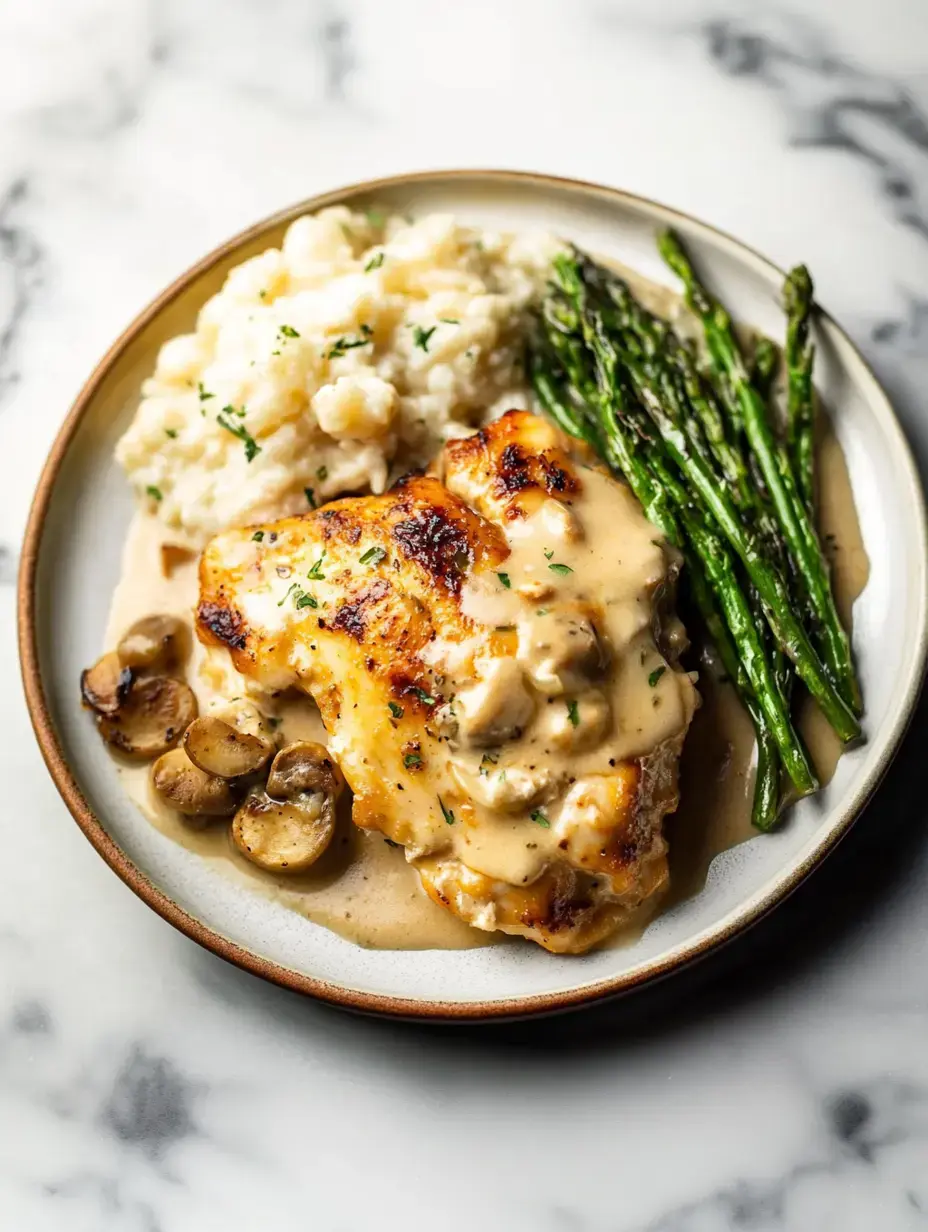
[{"x": 71, "y": 563}]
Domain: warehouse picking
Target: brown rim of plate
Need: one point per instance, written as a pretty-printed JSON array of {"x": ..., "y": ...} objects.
[{"x": 357, "y": 999}]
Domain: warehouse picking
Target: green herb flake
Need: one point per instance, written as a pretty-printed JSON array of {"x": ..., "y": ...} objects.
[
  {"x": 425, "y": 698},
  {"x": 540, "y": 819},
  {"x": 306, "y": 600},
  {"x": 262, "y": 294},
  {"x": 252, "y": 448},
  {"x": 548, "y": 554},
  {"x": 322, "y": 473},
  {"x": 486, "y": 762},
  {"x": 293, "y": 586},
  {"x": 373, "y": 556},
  {"x": 374, "y": 263},
  {"x": 310, "y": 495},
  {"x": 376, "y": 218},
  {"x": 505, "y": 579},
  {"x": 573, "y": 714},
  {"x": 449, "y": 320},
  {"x": 420, "y": 336},
  {"x": 288, "y": 331},
  {"x": 258, "y": 536},
  {"x": 542, "y": 611},
  {"x": 315, "y": 573},
  {"x": 563, "y": 570},
  {"x": 411, "y": 759},
  {"x": 346, "y": 343},
  {"x": 202, "y": 392},
  {"x": 171, "y": 432},
  {"x": 656, "y": 675},
  {"x": 154, "y": 493},
  {"x": 446, "y": 813},
  {"x": 395, "y": 710}
]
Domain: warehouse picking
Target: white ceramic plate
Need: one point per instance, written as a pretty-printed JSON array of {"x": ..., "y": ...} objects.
[{"x": 71, "y": 563}]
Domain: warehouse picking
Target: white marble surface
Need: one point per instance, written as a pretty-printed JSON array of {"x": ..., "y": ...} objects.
[{"x": 147, "y": 1087}]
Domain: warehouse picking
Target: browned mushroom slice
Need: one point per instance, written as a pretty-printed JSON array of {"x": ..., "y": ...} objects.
[
  {"x": 152, "y": 719},
  {"x": 106, "y": 685},
  {"x": 190, "y": 790},
  {"x": 304, "y": 766},
  {"x": 153, "y": 642},
  {"x": 287, "y": 828},
  {"x": 218, "y": 748},
  {"x": 283, "y": 836}
]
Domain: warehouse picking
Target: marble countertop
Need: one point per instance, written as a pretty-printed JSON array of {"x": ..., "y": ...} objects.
[{"x": 145, "y": 1086}]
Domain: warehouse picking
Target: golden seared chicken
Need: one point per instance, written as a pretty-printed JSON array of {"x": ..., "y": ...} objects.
[{"x": 481, "y": 646}]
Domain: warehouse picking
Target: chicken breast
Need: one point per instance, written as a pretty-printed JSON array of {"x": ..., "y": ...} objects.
[{"x": 481, "y": 645}]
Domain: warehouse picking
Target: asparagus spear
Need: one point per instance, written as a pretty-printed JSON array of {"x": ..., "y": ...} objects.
[
  {"x": 781, "y": 484},
  {"x": 800, "y": 354},
  {"x": 764, "y": 364}
]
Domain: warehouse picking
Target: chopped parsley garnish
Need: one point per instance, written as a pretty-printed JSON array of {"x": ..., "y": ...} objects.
[
  {"x": 485, "y": 762},
  {"x": 316, "y": 571},
  {"x": 293, "y": 586},
  {"x": 540, "y": 819},
  {"x": 376, "y": 218},
  {"x": 202, "y": 392},
  {"x": 288, "y": 331},
  {"x": 374, "y": 263},
  {"x": 310, "y": 495},
  {"x": 542, "y": 611},
  {"x": 154, "y": 493},
  {"x": 504, "y": 578},
  {"x": 373, "y": 556},
  {"x": 548, "y": 554},
  {"x": 252, "y": 448},
  {"x": 563, "y": 570},
  {"x": 395, "y": 710},
  {"x": 656, "y": 675},
  {"x": 425, "y": 698},
  {"x": 411, "y": 759},
  {"x": 573, "y": 714},
  {"x": 446, "y": 812},
  {"x": 258, "y": 536},
  {"x": 171, "y": 432},
  {"x": 449, "y": 320},
  {"x": 346, "y": 343},
  {"x": 420, "y": 336},
  {"x": 305, "y": 600},
  {"x": 262, "y": 294}
]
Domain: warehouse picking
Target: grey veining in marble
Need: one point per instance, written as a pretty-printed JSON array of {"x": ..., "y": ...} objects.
[{"x": 147, "y": 1087}]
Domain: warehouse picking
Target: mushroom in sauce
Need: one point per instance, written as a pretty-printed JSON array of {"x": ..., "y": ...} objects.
[
  {"x": 190, "y": 790},
  {"x": 153, "y": 642},
  {"x": 106, "y": 686},
  {"x": 288, "y": 826},
  {"x": 220, "y": 746},
  {"x": 151, "y": 719}
]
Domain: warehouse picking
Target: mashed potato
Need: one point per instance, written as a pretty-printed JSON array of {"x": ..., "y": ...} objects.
[{"x": 354, "y": 350}]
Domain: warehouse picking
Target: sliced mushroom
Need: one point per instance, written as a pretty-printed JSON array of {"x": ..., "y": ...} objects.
[
  {"x": 287, "y": 828},
  {"x": 106, "y": 685},
  {"x": 152, "y": 719},
  {"x": 304, "y": 766},
  {"x": 190, "y": 790},
  {"x": 153, "y": 642},
  {"x": 216, "y": 747},
  {"x": 284, "y": 836}
]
